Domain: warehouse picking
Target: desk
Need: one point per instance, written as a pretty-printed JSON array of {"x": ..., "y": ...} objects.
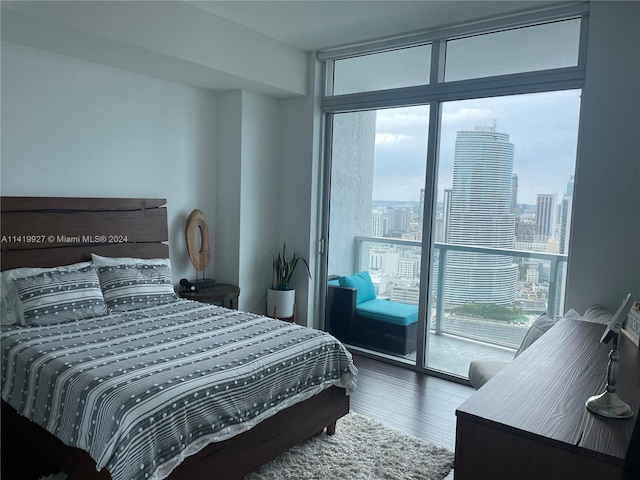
[
  {"x": 222, "y": 294},
  {"x": 530, "y": 423}
]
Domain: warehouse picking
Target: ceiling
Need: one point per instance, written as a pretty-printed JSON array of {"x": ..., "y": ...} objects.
[
  {"x": 316, "y": 25},
  {"x": 258, "y": 46}
]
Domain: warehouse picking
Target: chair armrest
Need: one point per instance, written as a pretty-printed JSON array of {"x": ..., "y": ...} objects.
[{"x": 341, "y": 310}]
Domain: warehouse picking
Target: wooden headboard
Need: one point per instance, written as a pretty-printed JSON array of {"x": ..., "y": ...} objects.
[{"x": 50, "y": 231}]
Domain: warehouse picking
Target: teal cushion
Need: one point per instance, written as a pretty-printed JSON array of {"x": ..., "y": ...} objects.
[
  {"x": 389, "y": 312},
  {"x": 361, "y": 281},
  {"x": 334, "y": 282}
]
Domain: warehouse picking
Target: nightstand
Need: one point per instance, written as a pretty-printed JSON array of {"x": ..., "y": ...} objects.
[{"x": 222, "y": 294}]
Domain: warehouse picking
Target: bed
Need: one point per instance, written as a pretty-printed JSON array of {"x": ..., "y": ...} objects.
[{"x": 179, "y": 413}]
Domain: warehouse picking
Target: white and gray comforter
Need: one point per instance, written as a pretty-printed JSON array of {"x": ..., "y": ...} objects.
[{"x": 143, "y": 390}]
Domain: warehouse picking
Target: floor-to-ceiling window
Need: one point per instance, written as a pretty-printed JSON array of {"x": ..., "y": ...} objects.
[{"x": 450, "y": 161}]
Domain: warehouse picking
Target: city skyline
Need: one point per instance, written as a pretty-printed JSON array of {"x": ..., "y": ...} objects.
[{"x": 543, "y": 127}]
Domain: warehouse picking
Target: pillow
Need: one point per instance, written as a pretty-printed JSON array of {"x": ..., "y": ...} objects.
[
  {"x": 362, "y": 282},
  {"x": 32, "y": 271},
  {"x": 573, "y": 315},
  {"x": 101, "y": 261},
  {"x": 598, "y": 314},
  {"x": 132, "y": 287},
  {"x": 540, "y": 326},
  {"x": 60, "y": 295},
  {"x": 10, "y": 306}
]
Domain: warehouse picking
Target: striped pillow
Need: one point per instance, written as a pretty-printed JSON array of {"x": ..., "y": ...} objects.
[
  {"x": 56, "y": 296},
  {"x": 132, "y": 287}
]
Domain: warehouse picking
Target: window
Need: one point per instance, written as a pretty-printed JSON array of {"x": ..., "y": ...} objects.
[
  {"x": 456, "y": 195},
  {"x": 540, "y": 47},
  {"x": 404, "y": 67}
]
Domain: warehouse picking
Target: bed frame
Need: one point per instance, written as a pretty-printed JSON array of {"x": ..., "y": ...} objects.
[{"x": 50, "y": 231}]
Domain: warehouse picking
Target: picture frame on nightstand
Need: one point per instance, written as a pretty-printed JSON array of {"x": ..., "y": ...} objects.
[{"x": 631, "y": 326}]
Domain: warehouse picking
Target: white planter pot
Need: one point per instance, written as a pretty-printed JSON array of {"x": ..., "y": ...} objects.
[{"x": 280, "y": 303}]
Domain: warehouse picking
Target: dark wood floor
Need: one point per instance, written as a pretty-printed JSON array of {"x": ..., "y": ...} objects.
[{"x": 412, "y": 402}]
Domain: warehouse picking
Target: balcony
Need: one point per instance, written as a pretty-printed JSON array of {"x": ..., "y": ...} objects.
[{"x": 457, "y": 335}]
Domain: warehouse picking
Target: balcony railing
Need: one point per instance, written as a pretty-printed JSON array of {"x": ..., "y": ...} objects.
[{"x": 438, "y": 308}]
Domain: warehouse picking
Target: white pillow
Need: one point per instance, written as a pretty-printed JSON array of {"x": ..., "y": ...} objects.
[
  {"x": 132, "y": 287},
  {"x": 60, "y": 295},
  {"x": 539, "y": 327},
  {"x": 101, "y": 261},
  {"x": 31, "y": 271},
  {"x": 11, "y": 307}
]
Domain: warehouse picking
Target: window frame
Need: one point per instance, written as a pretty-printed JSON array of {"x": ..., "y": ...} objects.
[
  {"x": 435, "y": 94},
  {"x": 437, "y": 90}
]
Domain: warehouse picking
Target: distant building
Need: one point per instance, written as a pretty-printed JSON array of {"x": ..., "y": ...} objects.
[
  {"x": 546, "y": 216},
  {"x": 400, "y": 219},
  {"x": 565, "y": 217},
  {"x": 532, "y": 246},
  {"x": 481, "y": 215},
  {"x": 569, "y": 191},
  {"x": 526, "y": 230},
  {"x": 408, "y": 268},
  {"x": 446, "y": 215},
  {"x": 379, "y": 223},
  {"x": 514, "y": 194},
  {"x": 404, "y": 294}
]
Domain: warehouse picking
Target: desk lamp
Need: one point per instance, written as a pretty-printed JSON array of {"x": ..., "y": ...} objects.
[{"x": 608, "y": 404}]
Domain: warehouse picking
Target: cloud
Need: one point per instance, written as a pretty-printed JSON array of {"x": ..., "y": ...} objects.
[
  {"x": 466, "y": 118},
  {"x": 543, "y": 128},
  {"x": 390, "y": 138}
]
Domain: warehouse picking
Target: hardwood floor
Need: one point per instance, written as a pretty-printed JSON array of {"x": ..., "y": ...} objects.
[{"x": 412, "y": 402}]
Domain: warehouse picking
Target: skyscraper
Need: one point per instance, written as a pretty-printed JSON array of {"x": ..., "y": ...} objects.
[
  {"x": 546, "y": 216},
  {"x": 514, "y": 194},
  {"x": 446, "y": 214},
  {"x": 378, "y": 222},
  {"x": 565, "y": 219},
  {"x": 570, "y": 183},
  {"x": 481, "y": 215}
]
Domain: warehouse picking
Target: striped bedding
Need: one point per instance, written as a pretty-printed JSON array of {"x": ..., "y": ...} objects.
[{"x": 142, "y": 390}]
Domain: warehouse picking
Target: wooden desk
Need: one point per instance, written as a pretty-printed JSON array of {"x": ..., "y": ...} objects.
[
  {"x": 530, "y": 422},
  {"x": 222, "y": 294}
]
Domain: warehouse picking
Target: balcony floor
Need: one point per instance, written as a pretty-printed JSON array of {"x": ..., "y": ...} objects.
[{"x": 452, "y": 354}]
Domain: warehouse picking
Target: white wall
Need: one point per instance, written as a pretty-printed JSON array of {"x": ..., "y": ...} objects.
[
  {"x": 247, "y": 187},
  {"x": 260, "y": 218},
  {"x": 74, "y": 128},
  {"x": 227, "y": 189},
  {"x": 604, "y": 261},
  {"x": 301, "y": 193}
]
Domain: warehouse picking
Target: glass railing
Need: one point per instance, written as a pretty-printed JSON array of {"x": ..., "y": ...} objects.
[{"x": 536, "y": 286}]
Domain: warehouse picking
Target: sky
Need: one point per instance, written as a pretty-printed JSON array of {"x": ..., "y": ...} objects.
[{"x": 543, "y": 128}]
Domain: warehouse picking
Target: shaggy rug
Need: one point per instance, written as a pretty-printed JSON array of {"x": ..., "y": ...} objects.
[{"x": 361, "y": 449}]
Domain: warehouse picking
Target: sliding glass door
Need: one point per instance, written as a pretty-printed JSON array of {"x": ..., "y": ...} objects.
[
  {"x": 501, "y": 223},
  {"x": 450, "y": 177},
  {"x": 377, "y": 196}
]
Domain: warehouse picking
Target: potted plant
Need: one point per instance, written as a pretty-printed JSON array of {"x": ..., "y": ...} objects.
[{"x": 281, "y": 297}]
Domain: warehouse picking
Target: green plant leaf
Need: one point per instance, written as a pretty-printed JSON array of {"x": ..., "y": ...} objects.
[{"x": 284, "y": 268}]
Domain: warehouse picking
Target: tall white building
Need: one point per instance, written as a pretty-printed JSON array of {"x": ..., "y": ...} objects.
[
  {"x": 565, "y": 219},
  {"x": 379, "y": 222},
  {"x": 481, "y": 215}
]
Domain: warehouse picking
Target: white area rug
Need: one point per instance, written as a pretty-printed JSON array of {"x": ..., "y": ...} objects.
[{"x": 361, "y": 449}]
